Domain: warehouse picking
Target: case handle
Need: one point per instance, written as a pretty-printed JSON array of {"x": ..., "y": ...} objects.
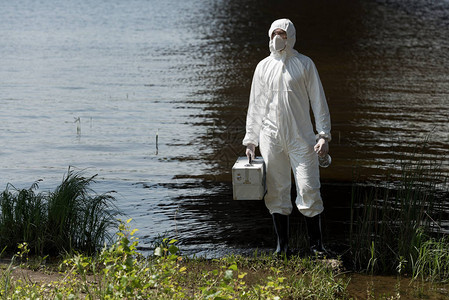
[{"x": 250, "y": 162}]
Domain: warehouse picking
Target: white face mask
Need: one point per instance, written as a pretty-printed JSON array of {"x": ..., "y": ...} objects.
[{"x": 279, "y": 43}]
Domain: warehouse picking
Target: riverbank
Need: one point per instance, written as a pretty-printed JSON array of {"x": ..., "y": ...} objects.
[
  {"x": 198, "y": 278},
  {"x": 119, "y": 271}
]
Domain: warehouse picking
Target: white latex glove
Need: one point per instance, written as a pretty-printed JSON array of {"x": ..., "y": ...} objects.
[
  {"x": 321, "y": 147},
  {"x": 251, "y": 151}
]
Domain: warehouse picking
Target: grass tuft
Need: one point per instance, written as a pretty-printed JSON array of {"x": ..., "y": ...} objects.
[{"x": 71, "y": 218}]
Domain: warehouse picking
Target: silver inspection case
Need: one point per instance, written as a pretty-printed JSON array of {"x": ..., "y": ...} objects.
[{"x": 248, "y": 179}]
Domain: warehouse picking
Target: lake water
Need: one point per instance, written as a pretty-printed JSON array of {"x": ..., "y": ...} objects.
[{"x": 152, "y": 96}]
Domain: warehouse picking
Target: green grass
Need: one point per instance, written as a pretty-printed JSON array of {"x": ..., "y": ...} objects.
[
  {"x": 71, "y": 218},
  {"x": 431, "y": 260}
]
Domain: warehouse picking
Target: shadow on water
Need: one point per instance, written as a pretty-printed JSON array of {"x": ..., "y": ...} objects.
[
  {"x": 385, "y": 80},
  {"x": 244, "y": 226}
]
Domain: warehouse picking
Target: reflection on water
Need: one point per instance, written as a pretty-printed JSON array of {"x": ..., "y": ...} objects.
[
  {"x": 182, "y": 70},
  {"x": 402, "y": 80},
  {"x": 383, "y": 67}
]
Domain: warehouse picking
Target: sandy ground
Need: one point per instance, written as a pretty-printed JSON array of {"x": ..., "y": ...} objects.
[{"x": 40, "y": 276}]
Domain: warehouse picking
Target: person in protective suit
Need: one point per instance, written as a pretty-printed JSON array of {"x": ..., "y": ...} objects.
[{"x": 284, "y": 87}]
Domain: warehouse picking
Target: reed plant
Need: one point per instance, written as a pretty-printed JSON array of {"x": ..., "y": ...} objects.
[
  {"x": 77, "y": 217},
  {"x": 432, "y": 260},
  {"x": 71, "y": 218},
  {"x": 23, "y": 218},
  {"x": 392, "y": 220}
]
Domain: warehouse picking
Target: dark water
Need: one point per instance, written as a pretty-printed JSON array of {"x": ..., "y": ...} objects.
[
  {"x": 181, "y": 71},
  {"x": 384, "y": 69}
]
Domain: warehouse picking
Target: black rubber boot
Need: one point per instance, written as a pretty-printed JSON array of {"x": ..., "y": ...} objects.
[
  {"x": 281, "y": 227},
  {"x": 315, "y": 236}
]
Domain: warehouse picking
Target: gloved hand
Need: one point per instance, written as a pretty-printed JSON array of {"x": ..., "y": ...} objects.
[
  {"x": 321, "y": 147},
  {"x": 251, "y": 151}
]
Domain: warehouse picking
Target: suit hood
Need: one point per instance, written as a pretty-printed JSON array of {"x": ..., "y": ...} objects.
[{"x": 287, "y": 26}]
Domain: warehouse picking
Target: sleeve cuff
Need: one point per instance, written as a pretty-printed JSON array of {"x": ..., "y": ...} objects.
[
  {"x": 246, "y": 142},
  {"x": 322, "y": 135}
]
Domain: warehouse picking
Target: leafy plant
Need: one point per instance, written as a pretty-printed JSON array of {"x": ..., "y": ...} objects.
[{"x": 120, "y": 272}]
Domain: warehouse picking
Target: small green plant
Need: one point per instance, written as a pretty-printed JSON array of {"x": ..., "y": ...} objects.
[
  {"x": 167, "y": 248},
  {"x": 23, "y": 252},
  {"x": 372, "y": 261}
]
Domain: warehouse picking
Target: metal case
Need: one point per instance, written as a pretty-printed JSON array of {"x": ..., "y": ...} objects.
[{"x": 248, "y": 180}]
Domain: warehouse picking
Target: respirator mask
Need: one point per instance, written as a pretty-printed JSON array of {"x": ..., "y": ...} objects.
[{"x": 279, "y": 43}]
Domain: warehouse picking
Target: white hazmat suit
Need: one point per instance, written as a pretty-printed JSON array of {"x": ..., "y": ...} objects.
[{"x": 284, "y": 87}]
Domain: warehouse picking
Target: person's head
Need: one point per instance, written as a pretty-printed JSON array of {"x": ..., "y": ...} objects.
[{"x": 282, "y": 32}]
